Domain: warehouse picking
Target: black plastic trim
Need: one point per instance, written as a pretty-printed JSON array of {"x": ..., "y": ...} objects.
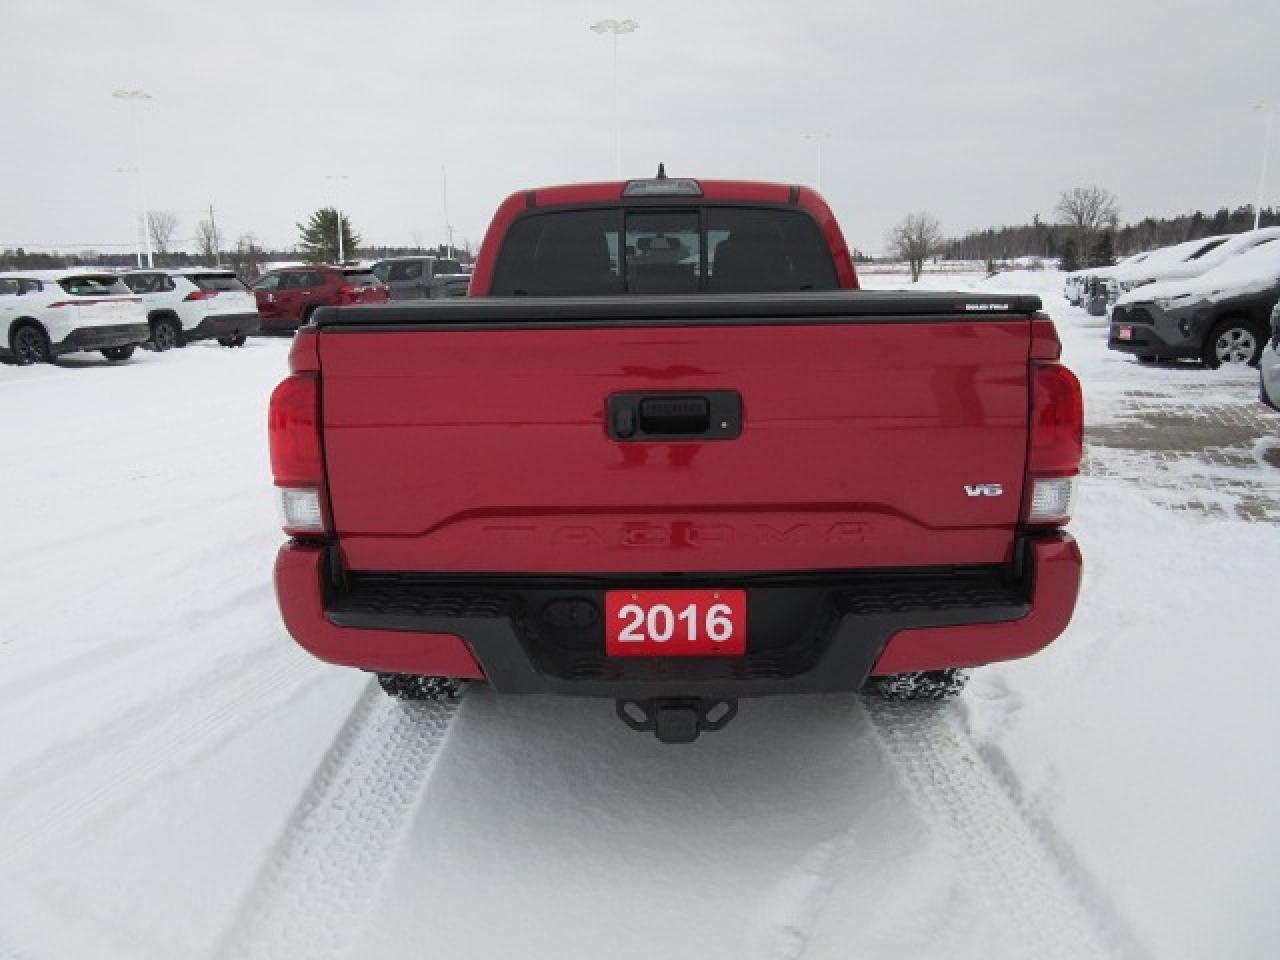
[
  {"x": 665, "y": 310},
  {"x": 812, "y": 632},
  {"x": 95, "y": 338}
]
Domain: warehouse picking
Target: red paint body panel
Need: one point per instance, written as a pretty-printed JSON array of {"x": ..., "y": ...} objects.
[
  {"x": 459, "y": 451},
  {"x": 1053, "y": 598},
  {"x": 299, "y": 580}
]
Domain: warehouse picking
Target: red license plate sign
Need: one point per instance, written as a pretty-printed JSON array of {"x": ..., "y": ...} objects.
[{"x": 675, "y": 623}]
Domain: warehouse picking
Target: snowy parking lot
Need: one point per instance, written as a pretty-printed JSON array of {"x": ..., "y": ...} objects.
[{"x": 177, "y": 779}]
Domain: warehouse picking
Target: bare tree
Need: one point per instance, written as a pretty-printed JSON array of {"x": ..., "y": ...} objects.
[
  {"x": 162, "y": 225},
  {"x": 1087, "y": 210},
  {"x": 208, "y": 242},
  {"x": 915, "y": 239},
  {"x": 247, "y": 258}
]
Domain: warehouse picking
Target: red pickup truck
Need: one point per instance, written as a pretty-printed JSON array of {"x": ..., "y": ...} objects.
[{"x": 668, "y": 453}]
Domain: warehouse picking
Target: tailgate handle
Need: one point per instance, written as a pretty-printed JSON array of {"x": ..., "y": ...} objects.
[
  {"x": 714, "y": 415},
  {"x": 679, "y": 415}
]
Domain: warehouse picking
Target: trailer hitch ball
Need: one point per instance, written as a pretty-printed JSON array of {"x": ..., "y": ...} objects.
[{"x": 677, "y": 719}]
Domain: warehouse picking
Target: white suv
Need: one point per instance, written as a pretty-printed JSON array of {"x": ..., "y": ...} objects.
[
  {"x": 194, "y": 304},
  {"x": 46, "y": 313}
]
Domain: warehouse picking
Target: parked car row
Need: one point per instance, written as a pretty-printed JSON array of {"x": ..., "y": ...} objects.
[
  {"x": 1221, "y": 316},
  {"x": 1098, "y": 288},
  {"x": 45, "y": 314}
]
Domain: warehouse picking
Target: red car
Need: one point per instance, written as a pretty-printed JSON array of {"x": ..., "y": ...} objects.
[
  {"x": 287, "y": 297},
  {"x": 669, "y": 454}
]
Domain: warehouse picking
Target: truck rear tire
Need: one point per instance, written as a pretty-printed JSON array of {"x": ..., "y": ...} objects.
[
  {"x": 927, "y": 685},
  {"x": 407, "y": 686}
]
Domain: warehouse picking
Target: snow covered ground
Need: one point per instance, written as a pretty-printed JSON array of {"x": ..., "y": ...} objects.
[{"x": 177, "y": 780}]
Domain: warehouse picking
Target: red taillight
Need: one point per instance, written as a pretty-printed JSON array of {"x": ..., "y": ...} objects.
[
  {"x": 346, "y": 293},
  {"x": 1057, "y": 421},
  {"x": 1055, "y": 446},
  {"x": 201, "y": 295},
  {"x": 293, "y": 429}
]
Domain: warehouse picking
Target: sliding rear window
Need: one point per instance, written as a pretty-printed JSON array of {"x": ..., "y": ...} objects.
[{"x": 647, "y": 250}]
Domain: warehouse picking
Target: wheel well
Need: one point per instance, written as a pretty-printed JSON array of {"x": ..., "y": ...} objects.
[
  {"x": 1236, "y": 316},
  {"x": 163, "y": 315},
  {"x": 21, "y": 322}
]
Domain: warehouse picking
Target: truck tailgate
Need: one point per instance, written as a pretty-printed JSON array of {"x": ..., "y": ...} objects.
[{"x": 866, "y": 441}]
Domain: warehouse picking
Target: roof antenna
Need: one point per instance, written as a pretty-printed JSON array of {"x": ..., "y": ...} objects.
[{"x": 662, "y": 171}]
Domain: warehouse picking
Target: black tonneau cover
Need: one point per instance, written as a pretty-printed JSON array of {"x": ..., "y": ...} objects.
[{"x": 841, "y": 306}]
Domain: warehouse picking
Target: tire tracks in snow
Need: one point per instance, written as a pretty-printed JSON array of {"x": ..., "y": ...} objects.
[
  {"x": 323, "y": 878},
  {"x": 69, "y": 786},
  {"x": 1008, "y": 865}
]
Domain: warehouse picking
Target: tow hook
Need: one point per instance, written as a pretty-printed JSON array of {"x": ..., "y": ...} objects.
[{"x": 677, "y": 719}]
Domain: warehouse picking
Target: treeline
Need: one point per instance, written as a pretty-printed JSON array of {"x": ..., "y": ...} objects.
[{"x": 1048, "y": 240}]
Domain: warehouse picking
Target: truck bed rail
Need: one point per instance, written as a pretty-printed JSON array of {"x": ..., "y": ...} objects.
[{"x": 824, "y": 307}]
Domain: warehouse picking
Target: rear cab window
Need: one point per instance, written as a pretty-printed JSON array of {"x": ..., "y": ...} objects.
[
  {"x": 708, "y": 249},
  {"x": 359, "y": 278},
  {"x": 1207, "y": 247},
  {"x": 218, "y": 282},
  {"x": 402, "y": 271},
  {"x": 148, "y": 282},
  {"x": 94, "y": 286}
]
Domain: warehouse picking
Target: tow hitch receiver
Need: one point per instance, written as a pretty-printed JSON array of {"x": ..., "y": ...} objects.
[{"x": 677, "y": 719}]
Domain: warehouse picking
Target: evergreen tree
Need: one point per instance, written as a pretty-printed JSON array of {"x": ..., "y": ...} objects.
[
  {"x": 1103, "y": 253},
  {"x": 318, "y": 237},
  {"x": 1070, "y": 255}
]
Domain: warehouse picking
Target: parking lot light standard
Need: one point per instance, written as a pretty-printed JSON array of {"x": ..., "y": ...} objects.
[
  {"x": 138, "y": 237},
  {"x": 615, "y": 28},
  {"x": 818, "y": 139},
  {"x": 137, "y": 98},
  {"x": 1270, "y": 112},
  {"x": 342, "y": 258}
]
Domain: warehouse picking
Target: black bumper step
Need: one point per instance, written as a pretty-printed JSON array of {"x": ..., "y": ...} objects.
[{"x": 818, "y": 632}]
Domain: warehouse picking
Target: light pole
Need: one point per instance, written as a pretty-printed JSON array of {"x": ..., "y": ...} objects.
[
  {"x": 818, "y": 139},
  {"x": 141, "y": 227},
  {"x": 341, "y": 251},
  {"x": 137, "y": 98},
  {"x": 444, "y": 199},
  {"x": 616, "y": 28},
  {"x": 1266, "y": 150}
]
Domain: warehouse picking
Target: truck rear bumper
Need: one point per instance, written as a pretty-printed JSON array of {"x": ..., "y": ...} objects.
[{"x": 822, "y": 632}]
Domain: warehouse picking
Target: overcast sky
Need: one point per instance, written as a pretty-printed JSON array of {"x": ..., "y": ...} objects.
[{"x": 979, "y": 113}]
